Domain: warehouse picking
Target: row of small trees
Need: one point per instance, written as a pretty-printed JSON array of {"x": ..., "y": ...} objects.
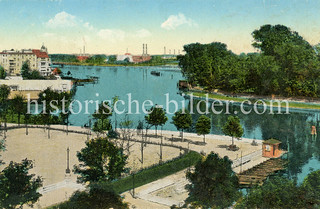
[
  {"x": 182, "y": 120},
  {"x": 157, "y": 117}
]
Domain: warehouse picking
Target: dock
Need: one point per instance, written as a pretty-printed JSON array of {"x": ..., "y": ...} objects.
[{"x": 259, "y": 173}]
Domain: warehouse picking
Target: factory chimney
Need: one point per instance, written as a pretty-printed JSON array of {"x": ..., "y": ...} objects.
[
  {"x": 146, "y": 49},
  {"x": 143, "y": 49}
]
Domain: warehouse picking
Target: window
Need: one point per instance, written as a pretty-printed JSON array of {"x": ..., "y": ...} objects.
[{"x": 268, "y": 148}]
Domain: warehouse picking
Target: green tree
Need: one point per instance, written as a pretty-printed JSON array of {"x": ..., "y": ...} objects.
[
  {"x": 182, "y": 120},
  {"x": 268, "y": 37},
  {"x": 3, "y": 73},
  {"x": 25, "y": 70},
  {"x": 101, "y": 117},
  {"x": 156, "y": 117},
  {"x": 4, "y": 94},
  {"x": 112, "y": 59},
  {"x": 233, "y": 128},
  {"x": 19, "y": 106},
  {"x": 27, "y": 73},
  {"x": 99, "y": 196},
  {"x": 277, "y": 192},
  {"x": 100, "y": 160},
  {"x": 203, "y": 126},
  {"x": 17, "y": 186},
  {"x": 213, "y": 183},
  {"x": 311, "y": 185}
]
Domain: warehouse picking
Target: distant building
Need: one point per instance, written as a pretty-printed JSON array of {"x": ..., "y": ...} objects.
[
  {"x": 12, "y": 60},
  {"x": 139, "y": 59},
  {"x": 38, "y": 85},
  {"x": 82, "y": 58},
  {"x": 127, "y": 57}
]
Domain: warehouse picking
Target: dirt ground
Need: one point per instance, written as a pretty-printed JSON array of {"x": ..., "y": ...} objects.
[{"x": 50, "y": 156}]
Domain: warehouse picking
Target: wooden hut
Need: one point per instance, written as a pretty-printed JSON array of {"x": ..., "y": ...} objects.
[{"x": 271, "y": 148}]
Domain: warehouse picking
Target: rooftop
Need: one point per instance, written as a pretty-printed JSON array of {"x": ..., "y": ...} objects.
[{"x": 271, "y": 141}]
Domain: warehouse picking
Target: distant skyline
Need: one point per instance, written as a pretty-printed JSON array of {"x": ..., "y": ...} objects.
[{"x": 112, "y": 27}]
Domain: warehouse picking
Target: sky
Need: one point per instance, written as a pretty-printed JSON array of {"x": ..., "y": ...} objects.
[{"x": 118, "y": 26}]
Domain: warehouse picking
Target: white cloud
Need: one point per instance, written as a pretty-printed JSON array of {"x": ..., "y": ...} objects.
[
  {"x": 112, "y": 35},
  {"x": 62, "y": 19},
  {"x": 175, "y": 21},
  {"x": 88, "y": 26},
  {"x": 142, "y": 33}
]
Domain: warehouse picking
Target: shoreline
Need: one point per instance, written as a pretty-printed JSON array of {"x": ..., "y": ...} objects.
[
  {"x": 116, "y": 65},
  {"x": 151, "y": 133},
  {"x": 292, "y": 104}
]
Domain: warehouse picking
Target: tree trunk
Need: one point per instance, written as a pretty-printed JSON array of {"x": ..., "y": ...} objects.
[
  {"x": 204, "y": 138},
  {"x": 161, "y": 151},
  {"x": 182, "y": 135},
  {"x": 156, "y": 131},
  {"x": 142, "y": 154},
  {"x": 232, "y": 142}
]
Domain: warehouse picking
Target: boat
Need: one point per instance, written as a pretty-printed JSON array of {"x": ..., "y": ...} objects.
[{"x": 155, "y": 73}]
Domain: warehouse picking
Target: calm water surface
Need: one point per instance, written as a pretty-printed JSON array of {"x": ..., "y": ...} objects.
[{"x": 292, "y": 129}]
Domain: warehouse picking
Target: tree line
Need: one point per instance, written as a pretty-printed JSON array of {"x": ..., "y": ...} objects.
[{"x": 285, "y": 64}]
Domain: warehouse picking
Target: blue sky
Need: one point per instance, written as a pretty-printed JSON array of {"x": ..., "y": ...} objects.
[{"x": 105, "y": 26}]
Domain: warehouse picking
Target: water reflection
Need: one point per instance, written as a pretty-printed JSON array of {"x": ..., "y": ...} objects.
[{"x": 293, "y": 130}]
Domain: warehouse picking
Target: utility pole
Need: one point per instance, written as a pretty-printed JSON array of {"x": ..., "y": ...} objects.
[{"x": 68, "y": 169}]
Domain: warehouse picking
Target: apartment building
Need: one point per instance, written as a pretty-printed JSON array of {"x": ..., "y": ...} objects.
[{"x": 38, "y": 59}]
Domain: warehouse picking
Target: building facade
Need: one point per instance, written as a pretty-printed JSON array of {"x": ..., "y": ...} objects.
[{"x": 38, "y": 59}]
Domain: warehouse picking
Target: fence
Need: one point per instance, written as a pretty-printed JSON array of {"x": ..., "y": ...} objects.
[
  {"x": 46, "y": 127},
  {"x": 247, "y": 158}
]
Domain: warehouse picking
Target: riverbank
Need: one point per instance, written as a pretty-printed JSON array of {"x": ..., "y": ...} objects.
[
  {"x": 119, "y": 65},
  {"x": 291, "y": 103}
]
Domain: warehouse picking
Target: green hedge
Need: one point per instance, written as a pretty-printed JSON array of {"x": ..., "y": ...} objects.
[
  {"x": 157, "y": 172},
  {"x": 151, "y": 174}
]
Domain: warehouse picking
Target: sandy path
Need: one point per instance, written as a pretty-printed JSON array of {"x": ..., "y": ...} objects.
[{"x": 49, "y": 155}]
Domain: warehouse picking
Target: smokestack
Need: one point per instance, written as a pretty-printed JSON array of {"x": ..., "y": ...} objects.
[
  {"x": 84, "y": 50},
  {"x": 143, "y": 49},
  {"x": 146, "y": 49},
  {"x": 174, "y": 52},
  {"x": 164, "y": 50},
  {"x": 169, "y": 51}
]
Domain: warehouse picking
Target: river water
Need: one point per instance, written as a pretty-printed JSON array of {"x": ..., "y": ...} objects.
[{"x": 293, "y": 129}]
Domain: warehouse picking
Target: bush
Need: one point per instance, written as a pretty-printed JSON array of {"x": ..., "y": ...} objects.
[{"x": 157, "y": 172}]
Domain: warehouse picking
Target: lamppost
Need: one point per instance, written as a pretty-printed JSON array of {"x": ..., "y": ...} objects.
[{"x": 68, "y": 169}]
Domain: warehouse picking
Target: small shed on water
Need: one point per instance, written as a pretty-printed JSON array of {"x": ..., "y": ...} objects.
[{"x": 271, "y": 148}]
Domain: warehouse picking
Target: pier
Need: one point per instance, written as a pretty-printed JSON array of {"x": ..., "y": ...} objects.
[{"x": 259, "y": 173}]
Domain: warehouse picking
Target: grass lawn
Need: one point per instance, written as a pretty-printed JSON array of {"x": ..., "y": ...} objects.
[{"x": 237, "y": 99}]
